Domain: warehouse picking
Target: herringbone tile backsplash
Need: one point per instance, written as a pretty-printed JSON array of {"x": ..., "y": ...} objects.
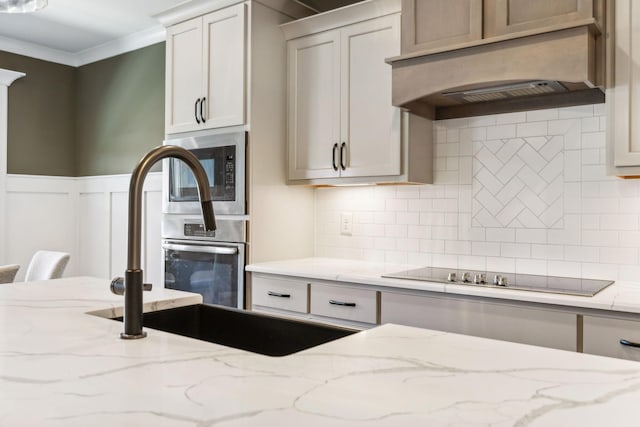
[{"x": 521, "y": 192}]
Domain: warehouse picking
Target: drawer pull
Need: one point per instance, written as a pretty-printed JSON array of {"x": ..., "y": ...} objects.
[
  {"x": 278, "y": 294},
  {"x": 629, "y": 343},
  {"x": 342, "y": 303}
]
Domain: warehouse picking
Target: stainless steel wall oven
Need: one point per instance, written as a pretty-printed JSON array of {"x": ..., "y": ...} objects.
[{"x": 208, "y": 263}]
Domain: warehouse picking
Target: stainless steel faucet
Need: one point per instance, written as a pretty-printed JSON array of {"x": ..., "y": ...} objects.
[{"x": 131, "y": 286}]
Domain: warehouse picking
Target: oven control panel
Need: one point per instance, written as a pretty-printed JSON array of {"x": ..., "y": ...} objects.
[{"x": 197, "y": 230}]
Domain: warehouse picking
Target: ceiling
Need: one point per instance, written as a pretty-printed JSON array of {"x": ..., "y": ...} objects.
[{"x": 75, "y": 26}]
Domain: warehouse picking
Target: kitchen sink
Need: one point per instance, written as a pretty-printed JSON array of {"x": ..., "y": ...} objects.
[{"x": 245, "y": 330}]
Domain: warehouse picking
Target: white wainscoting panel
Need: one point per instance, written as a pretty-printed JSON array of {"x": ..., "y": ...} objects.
[
  {"x": 41, "y": 214},
  {"x": 86, "y": 217}
]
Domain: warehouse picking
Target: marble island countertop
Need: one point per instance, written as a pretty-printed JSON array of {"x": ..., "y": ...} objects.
[
  {"x": 621, "y": 296},
  {"x": 62, "y": 367}
]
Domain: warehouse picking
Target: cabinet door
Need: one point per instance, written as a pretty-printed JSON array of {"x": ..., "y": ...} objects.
[
  {"x": 623, "y": 99},
  {"x": 184, "y": 75},
  {"x": 482, "y": 319},
  {"x": 602, "y": 336},
  {"x": 370, "y": 124},
  {"x": 512, "y": 16},
  {"x": 314, "y": 105},
  {"x": 223, "y": 67},
  {"x": 439, "y": 23}
]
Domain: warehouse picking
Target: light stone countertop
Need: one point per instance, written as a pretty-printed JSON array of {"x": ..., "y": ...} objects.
[
  {"x": 621, "y": 296},
  {"x": 62, "y": 367}
]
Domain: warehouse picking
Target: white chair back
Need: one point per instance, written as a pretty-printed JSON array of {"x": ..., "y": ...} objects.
[
  {"x": 8, "y": 272},
  {"x": 46, "y": 265}
]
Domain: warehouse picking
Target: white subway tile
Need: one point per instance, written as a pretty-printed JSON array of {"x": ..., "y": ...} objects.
[
  {"x": 501, "y": 132},
  {"x": 515, "y": 250},
  {"x": 396, "y": 205},
  {"x": 482, "y": 121},
  {"x": 564, "y": 269},
  {"x": 420, "y": 205},
  {"x": 593, "y": 140},
  {"x": 410, "y": 218},
  {"x": 374, "y": 230},
  {"x": 576, "y": 111},
  {"x": 553, "y": 146},
  {"x": 408, "y": 192},
  {"x": 524, "y": 235},
  {"x": 471, "y": 262},
  {"x": 445, "y": 233},
  {"x": 395, "y": 257},
  {"x": 503, "y": 265},
  {"x": 485, "y": 248},
  {"x": 531, "y": 157},
  {"x": 600, "y": 109},
  {"x": 408, "y": 245},
  {"x": 432, "y": 246},
  {"x": 600, "y": 238},
  {"x": 550, "y": 252},
  {"x": 590, "y": 222},
  {"x": 457, "y": 247},
  {"x": 445, "y": 261},
  {"x": 372, "y": 255},
  {"x": 599, "y": 271},
  {"x": 581, "y": 254},
  {"x": 590, "y": 124},
  {"x": 619, "y": 222},
  {"x": 431, "y": 218},
  {"x": 542, "y": 115},
  {"x": 501, "y": 235},
  {"x": 384, "y": 243},
  {"x": 629, "y": 239},
  {"x": 572, "y": 165},
  {"x": 531, "y": 266},
  {"x": 465, "y": 170},
  {"x": 507, "y": 118},
  {"x": 384, "y": 217},
  {"x": 395, "y": 230},
  {"x": 453, "y": 135},
  {"x": 619, "y": 255},
  {"x": 419, "y": 232},
  {"x": 629, "y": 272},
  {"x": 418, "y": 259},
  {"x": 524, "y": 130}
]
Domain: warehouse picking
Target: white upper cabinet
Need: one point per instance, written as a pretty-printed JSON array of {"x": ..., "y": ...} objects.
[
  {"x": 314, "y": 105},
  {"x": 623, "y": 99},
  {"x": 341, "y": 121},
  {"x": 206, "y": 71}
]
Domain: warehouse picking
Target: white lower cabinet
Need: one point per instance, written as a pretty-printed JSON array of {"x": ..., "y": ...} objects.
[
  {"x": 340, "y": 303},
  {"x": 330, "y": 302},
  {"x": 280, "y": 294},
  {"x": 503, "y": 321},
  {"x": 602, "y": 335}
]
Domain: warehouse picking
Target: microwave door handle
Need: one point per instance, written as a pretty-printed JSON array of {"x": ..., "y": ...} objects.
[{"x": 217, "y": 250}]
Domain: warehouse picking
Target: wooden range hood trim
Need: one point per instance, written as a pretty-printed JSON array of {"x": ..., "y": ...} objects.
[{"x": 567, "y": 56}]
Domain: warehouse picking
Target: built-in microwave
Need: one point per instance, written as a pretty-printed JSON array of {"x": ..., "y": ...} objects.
[{"x": 223, "y": 157}]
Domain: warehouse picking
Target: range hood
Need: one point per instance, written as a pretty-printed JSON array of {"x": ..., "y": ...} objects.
[{"x": 553, "y": 69}]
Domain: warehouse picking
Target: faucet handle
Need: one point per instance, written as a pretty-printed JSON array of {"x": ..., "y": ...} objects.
[{"x": 117, "y": 286}]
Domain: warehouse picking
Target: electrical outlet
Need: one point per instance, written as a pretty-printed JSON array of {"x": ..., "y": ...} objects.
[{"x": 346, "y": 223}]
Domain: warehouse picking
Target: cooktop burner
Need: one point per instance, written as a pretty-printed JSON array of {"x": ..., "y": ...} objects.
[{"x": 527, "y": 282}]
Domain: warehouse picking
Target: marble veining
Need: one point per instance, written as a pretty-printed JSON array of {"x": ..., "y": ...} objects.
[{"x": 60, "y": 366}]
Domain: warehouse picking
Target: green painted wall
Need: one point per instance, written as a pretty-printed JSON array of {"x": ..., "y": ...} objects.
[
  {"x": 41, "y": 134},
  {"x": 98, "y": 119},
  {"x": 120, "y": 111}
]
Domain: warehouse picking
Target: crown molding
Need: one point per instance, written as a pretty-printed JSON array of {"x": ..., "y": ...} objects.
[
  {"x": 7, "y": 76},
  {"x": 116, "y": 47}
]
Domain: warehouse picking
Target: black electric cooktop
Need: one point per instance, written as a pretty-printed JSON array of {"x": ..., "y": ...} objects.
[{"x": 526, "y": 282}]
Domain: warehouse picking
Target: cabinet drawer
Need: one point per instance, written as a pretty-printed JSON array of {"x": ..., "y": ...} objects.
[
  {"x": 482, "y": 319},
  {"x": 282, "y": 294},
  {"x": 358, "y": 305},
  {"x": 602, "y": 336}
]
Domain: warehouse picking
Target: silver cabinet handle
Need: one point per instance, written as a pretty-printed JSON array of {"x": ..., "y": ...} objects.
[
  {"x": 342, "y": 303},
  {"x": 218, "y": 250},
  {"x": 629, "y": 343},
  {"x": 278, "y": 294}
]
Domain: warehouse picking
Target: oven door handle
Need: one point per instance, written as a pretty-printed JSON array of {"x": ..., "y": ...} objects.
[{"x": 218, "y": 250}]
